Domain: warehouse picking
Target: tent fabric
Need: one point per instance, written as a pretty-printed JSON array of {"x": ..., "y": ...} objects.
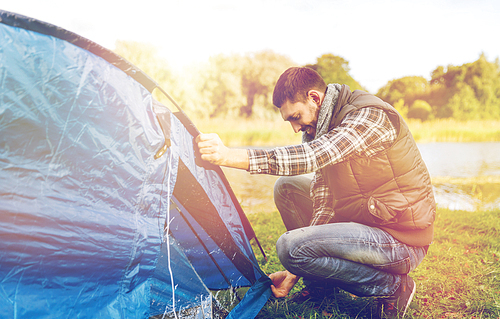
[
  {"x": 97, "y": 189},
  {"x": 27, "y": 23},
  {"x": 255, "y": 298},
  {"x": 177, "y": 287}
]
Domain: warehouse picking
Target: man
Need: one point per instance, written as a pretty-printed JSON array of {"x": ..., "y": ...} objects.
[{"x": 365, "y": 219}]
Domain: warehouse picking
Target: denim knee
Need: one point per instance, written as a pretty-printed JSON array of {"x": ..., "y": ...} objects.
[
  {"x": 279, "y": 187},
  {"x": 287, "y": 248},
  {"x": 283, "y": 250}
]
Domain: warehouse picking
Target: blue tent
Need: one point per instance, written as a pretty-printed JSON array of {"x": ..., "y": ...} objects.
[{"x": 105, "y": 209}]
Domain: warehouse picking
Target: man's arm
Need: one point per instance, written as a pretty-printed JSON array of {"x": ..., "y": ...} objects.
[
  {"x": 365, "y": 131},
  {"x": 215, "y": 152}
]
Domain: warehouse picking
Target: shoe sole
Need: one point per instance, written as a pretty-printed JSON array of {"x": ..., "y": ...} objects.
[{"x": 410, "y": 299}]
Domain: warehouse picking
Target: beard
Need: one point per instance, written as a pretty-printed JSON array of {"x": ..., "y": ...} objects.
[{"x": 309, "y": 131}]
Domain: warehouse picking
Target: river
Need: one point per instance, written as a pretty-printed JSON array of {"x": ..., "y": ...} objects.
[
  {"x": 461, "y": 159},
  {"x": 473, "y": 170},
  {"x": 465, "y": 177}
]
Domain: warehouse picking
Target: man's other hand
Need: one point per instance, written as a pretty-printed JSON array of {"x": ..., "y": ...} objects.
[{"x": 283, "y": 282}]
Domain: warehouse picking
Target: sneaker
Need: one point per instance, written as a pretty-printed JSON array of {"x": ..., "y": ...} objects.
[{"x": 396, "y": 305}]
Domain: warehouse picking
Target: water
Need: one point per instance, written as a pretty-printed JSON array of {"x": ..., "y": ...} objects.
[{"x": 462, "y": 161}]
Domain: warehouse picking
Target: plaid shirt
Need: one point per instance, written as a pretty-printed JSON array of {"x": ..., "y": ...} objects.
[{"x": 363, "y": 132}]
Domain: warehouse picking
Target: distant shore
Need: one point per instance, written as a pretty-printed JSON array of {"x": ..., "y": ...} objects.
[{"x": 261, "y": 132}]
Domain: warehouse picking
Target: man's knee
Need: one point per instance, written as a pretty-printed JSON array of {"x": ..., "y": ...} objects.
[
  {"x": 286, "y": 188},
  {"x": 280, "y": 187},
  {"x": 284, "y": 248}
]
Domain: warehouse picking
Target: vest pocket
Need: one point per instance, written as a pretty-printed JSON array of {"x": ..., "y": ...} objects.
[{"x": 382, "y": 213}]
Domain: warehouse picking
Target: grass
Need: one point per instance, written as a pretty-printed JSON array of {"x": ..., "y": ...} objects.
[
  {"x": 449, "y": 130},
  {"x": 262, "y": 132},
  {"x": 459, "y": 278}
]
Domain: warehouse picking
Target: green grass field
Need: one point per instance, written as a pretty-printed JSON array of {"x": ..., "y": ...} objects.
[{"x": 459, "y": 278}]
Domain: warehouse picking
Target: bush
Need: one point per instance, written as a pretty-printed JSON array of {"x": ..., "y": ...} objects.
[{"x": 420, "y": 110}]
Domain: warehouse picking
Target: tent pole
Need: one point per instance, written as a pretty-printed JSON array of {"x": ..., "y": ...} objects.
[{"x": 174, "y": 205}]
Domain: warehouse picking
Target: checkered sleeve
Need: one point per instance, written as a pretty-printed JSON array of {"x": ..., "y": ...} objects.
[
  {"x": 259, "y": 161},
  {"x": 365, "y": 131},
  {"x": 323, "y": 212}
]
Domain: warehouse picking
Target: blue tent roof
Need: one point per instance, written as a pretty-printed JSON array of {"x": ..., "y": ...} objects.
[{"x": 95, "y": 221}]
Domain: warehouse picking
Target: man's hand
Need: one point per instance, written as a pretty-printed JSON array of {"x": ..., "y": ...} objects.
[
  {"x": 283, "y": 282},
  {"x": 215, "y": 152},
  {"x": 212, "y": 149}
]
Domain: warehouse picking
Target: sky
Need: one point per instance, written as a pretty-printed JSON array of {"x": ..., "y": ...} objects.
[{"x": 382, "y": 40}]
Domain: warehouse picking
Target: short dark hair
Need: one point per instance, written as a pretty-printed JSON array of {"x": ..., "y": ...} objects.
[{"x": 294, "y": 84}]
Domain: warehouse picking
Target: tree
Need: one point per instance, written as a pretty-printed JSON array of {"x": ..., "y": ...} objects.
[
  {"x": 258, "y": 78},
  {"x": 420, "y": 110},
  {"x": 335, "y": 69},
  {"x": 401, "y": 107},
  {"x": 458, "y": 91},
  {"x": 240, "y": 85},
  {"x": 220, "y": 86},
  {"x": 484, "y": 79},
  {"x": 408, "y": 89},
  {"x": 469, "y": 91},
  {"x": 464, "y": 104}
]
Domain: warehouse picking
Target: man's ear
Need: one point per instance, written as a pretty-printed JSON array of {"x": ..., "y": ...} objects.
[{"x": 315, "y": 97}]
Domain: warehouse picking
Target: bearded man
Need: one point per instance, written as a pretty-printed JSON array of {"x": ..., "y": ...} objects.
[{"x": 363, "y": 220}]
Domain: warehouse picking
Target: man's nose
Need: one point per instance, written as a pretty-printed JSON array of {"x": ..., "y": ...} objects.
[{"x": 296, "y": 127}]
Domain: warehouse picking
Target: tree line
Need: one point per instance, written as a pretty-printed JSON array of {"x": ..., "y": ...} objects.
[
  {"x": 467, "y": 92},
  {"x": 238, "y": 85}
]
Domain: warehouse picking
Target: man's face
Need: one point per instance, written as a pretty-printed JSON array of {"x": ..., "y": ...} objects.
[{"x": 303, "y": 116}]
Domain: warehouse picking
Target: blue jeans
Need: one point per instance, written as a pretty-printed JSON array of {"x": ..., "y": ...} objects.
[{"x": 363, "y": 260}]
